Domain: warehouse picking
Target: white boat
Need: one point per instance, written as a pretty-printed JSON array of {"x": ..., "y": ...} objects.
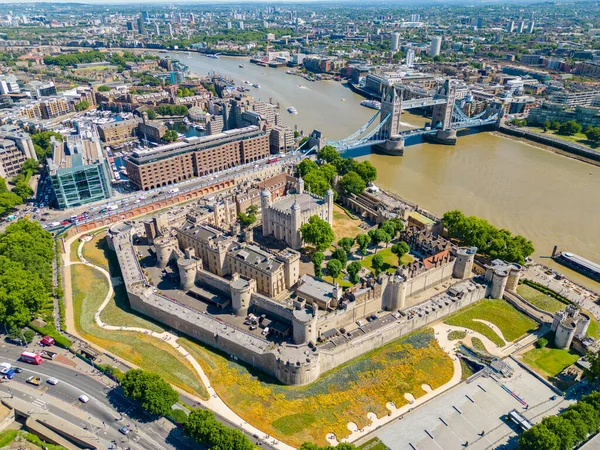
[
  {"x": 292, "y": 110},
  {"x": 373, "y": 104},
  {"x": 214, "y": 56},
  {"x": 241, "y": 66},
  {"x": 247, "y": 82},
  {"x": 256, "y": 85}
]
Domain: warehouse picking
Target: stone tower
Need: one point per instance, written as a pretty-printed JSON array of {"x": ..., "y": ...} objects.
[
  {"x": 463, "y": 264},
  {"x": 391, "y": 104},
  {"x": 299, "y": 186},
  {"x": 187, "y": 272},
  {"x": 441, "y": 116},
  {"x": 329, "y": 199},
  {"x": 513, "y": 277},
  {"x": 304, "y": 324},
  {"x": 241, "y": 294},
  {"x": 296, "y": 223},
  {"x": 265, "y": 203},
  {"x": 394, "y": 293}
]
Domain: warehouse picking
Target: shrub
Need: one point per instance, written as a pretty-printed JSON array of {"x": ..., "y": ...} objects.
[
  {"x": 178, "y": 416},
  {"x": 49, "y": 330},
  {"x": 541, "y": 343}
]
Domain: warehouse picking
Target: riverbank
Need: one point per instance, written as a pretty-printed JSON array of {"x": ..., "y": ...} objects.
[{"x": 527, "y": 138}]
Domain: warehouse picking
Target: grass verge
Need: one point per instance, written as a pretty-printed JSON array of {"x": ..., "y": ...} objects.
[
  {"x": 511, "y": 322},
  {"x": 456, "y": 335},
  {"x": 346, "y": 394},
  {"x": 539, "y": 299},
  {"x": 390, "y": 261},
  {"x": 549, "y": 361},
  {"x": 343, "y": 225}
]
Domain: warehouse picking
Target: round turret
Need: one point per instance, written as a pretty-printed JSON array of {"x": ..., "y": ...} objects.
[
  {"x": 164, "y": 248},
  {"x": 304, "y": 325},
  {"x": 513, "y": 277},
  {"x": 241, "y": 294},
  {"x": 463, "y": 265},
  {"x": 394, "y": 294},
  {"x": 499, "y": 279},
  {"x": 187, "y": 272}
]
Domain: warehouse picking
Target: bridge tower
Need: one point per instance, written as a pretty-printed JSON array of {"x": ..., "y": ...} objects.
[
  {"x": 441, "y": 116},
  {"x": 391, "y": 105}
]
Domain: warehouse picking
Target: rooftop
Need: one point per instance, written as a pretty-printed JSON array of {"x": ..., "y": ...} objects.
[
  {"x": 306, "y": 202},
  {"x": 315, "y": 288},
  {"x": 256, "y": 257}
]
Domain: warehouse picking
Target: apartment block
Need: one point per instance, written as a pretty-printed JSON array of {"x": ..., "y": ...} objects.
[
  {"x": 118, "y": 131},
  {"x": 15, "y": 148}
]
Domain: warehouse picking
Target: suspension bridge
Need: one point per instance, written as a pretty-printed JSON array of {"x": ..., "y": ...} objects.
[{"x": 447, "y": 118}]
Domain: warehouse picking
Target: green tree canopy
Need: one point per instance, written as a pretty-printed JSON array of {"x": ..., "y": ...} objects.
[
  {"x": 316, "y": 183},
  {"x": 202, "y": 426},
  {"x": 363, "y": 242},
  {"x": 569, "y": 128},
  {"x": 317, "y": 232},
  {"x": 153, "y": 393},
  {"x": 377, "y": 263},
  {"x": 537, "y": 438},
  {"x": 366, "y": 171},
  {"x": 103, "y": 88},
  {"x": 334, "y": 267},
  {"x": 346, "y": 243},
  {"x": 23, "y": 190},
  {"x": 170, "y": 136},
  {"x": 330, "y": 154},
  {"x": 306, "y": 166},
  {"x": 353, "y": 269},
  {"x": 352, "y": 183},
  {"x": 341, "y": 255},
  {"x": 400, "y": 249},
  {"x": 317, "y": 259}
]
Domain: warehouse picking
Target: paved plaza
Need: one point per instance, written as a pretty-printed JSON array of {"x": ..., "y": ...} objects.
[{"x": 473, "y": 413}]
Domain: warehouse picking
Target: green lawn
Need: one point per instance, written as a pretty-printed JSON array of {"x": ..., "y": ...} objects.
[
  {"x": 594, "y": 328},
  {"x": 578, "y": 138},
  {"x": 373, "y": 444},
  {"x": 456, "y": 335},
  {"x": 550, "y": 361},
  {"x": 511, "y": 322},
  {"x": 340, "y": 281},
  {"x": 478, "y": 344},
  {"x": 539, "y": 299},
  {"x": 390, "y": 261}
]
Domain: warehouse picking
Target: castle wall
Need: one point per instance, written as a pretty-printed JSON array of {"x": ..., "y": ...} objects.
[
  {"x": 429, "y": 278},
  {"x": 356, "y": 347},
  {"x": 271, "y": 307},
  {"x": 214, "y": 281},
  {"x": 341, "y": 318}
]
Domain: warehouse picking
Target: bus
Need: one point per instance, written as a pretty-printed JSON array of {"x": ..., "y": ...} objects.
[
  {"x": 272, "y": 160},
  {"x": 31, "y": 358}
]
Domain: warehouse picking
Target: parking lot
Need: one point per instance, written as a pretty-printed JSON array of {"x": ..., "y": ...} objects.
[{"x": 472, "y": 415}]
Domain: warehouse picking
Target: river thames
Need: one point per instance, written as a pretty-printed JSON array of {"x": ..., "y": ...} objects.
[{"x": 546, "y": 197}]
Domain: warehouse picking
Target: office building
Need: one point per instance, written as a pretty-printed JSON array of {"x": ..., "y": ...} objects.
[
  {"x": 521, "y": 26},
  {"x": 436, "y": 46},
  {"x": 575, "y": 98},
  {"x": 140, "y": 24},
  {"x": 480, "y": 23},
  {"x": 511, "y": 26},
  {"x": 241, "y": 25},
  {"x": 196, "y": 156},
  {"x": 15, "y": 148},
  {"x": 116, "y": 132},
  {"x": 395, "y": 42},
  {"x": 170, "y": 27},
  {"x": 9, "y": 85},
  {"x": 281, "y": 139},
  {"x": 531, "y": 27},
  {"x": 78, "y": 170},
  {"x": 156, "y": 29}
]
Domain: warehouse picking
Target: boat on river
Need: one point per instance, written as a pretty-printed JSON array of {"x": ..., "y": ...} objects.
[
  {"x": 580, "y": 264},
  {"x": 373, "y": 104},
  {"x": 292, "y": 110}
]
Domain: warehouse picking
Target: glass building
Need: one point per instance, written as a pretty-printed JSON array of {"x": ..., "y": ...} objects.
[{"x": 79, "y": 172}]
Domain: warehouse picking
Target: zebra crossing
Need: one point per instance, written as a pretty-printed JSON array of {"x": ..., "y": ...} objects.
[{"x": 39, "y": 403}]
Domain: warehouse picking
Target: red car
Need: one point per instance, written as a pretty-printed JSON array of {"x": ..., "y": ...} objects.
[{"x": 47, "y": 341}]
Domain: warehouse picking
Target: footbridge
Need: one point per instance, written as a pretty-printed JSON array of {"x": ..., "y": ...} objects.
[{"x": 447, "y": 118}]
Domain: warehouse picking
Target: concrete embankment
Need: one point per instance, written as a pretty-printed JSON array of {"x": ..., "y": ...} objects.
[{"x": 558, "y": 145}]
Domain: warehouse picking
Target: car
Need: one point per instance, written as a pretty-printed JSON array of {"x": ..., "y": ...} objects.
[
  {"x": 124, "y": 430},
  {"x": 47, "y": 341},
  {"x": 36, "y": 381},
  {"x": 5, "y": 366},
  {"x": 84, "y": 398},
  {"x": 17, "y": 369},
  {"x": 253, "y": 327},
  {"x": 53, "y": 381}
]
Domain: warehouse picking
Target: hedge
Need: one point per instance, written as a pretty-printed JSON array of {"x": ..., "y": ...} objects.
[
  {"x": 549, "y": 292},
  {"x": 49, "y": 330},
  {"x": 178, "y": 416}
]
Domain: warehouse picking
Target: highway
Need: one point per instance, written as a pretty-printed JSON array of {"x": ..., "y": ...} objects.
[{"x": 107, "y": 405}]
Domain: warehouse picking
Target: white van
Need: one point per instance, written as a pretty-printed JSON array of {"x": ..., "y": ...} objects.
[{"x": 173, "y": 191}]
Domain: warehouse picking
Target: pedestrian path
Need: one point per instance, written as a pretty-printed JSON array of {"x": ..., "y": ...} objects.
[{"x": 214, "y": 402}]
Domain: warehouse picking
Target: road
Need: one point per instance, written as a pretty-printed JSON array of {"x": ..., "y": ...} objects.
[{"x": 107, "y": 405}]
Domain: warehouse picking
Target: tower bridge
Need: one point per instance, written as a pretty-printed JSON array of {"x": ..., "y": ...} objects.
[{"x": 447, "y": 118}]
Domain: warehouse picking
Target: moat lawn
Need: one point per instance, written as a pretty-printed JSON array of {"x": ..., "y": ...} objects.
[
  {"x": 89, "y": 291},
  {"x": 390, "y": 261},
  {"x": 548, "y": 361},
  {"x": 512, "y": 323},
  {"x": 345, "y": 394},
  {"x": 343, "y": 225},
  {"x": 539, "y": 299}
]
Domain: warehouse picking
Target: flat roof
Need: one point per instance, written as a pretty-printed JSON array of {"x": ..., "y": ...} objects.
[
  {"x": 420, "y": 217},
  {"x": 315, "y": 288},
  {"x": 306, "y": 202}
]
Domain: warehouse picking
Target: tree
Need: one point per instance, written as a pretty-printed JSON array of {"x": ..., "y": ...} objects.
[
  {"x": 593, "y": 371},
  {"x": 593, "y": 134},
  {"x": 153, "y": 393},
  {"x": 541, "y": 343},
  {"x": 389, "y": 228},
  {"x": 346, "y": 243},
  {"x": 352, "y": 183},
  {"x": 334, "y": 267},
  {"x": 366, "y": 171},
  {"x": 29, "y": 335},
  {"x": 23, "y": 190},
  {"x": 363, "y": 242},
  {"x": 581, "y": 427},
  {"x": 82, "y": 105},
  {"x": 400, "y": 249},
  {"x": 377, "y": 263},
  {"x": 554, "y": 125},
  {"x": 317, "y": 259},
  {"x": 585, "y": 413},
  {"x": 316, "y": 183},
  {"x": 202, "y": 426},
  {"x": 538, "y": 437},
  {"x": 353, "y": 269},
  {"x": 341, "y": 255},
  {"x": 151, "y": 114},
  {"x": 330, "y": 155},
  {"x": 306, "y": 166},
  {"x": 563, "y": 430},
  {"x": 328, "y": 172},
  {"x": 170, "y": 136},
  {"x": 246, "y": 219},
  {"x": 317, "y": 232},
  {"x": 379, "y": 235},
  {"x": 252, "y": 209},
  {"x": 103, "y": 88},
  {"x": 569, "y": 128},
  {"x": 30, "y": 165}
]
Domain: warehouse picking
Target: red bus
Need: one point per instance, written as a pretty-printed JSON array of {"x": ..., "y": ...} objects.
[
  {"x": 31, "y": 358},
  {"x": 272, "y": 160}
]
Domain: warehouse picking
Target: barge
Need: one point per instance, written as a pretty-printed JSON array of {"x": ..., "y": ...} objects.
[{"x": 578, "y": 263}]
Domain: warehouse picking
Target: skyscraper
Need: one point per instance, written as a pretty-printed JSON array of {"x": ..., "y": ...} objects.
[
  {"x": 531, "y": 27},
  {"x": 410, "y": 57},
  {"x": 480, "y": 23},
  {"x": 241, "y": 24},
  {"x": 140, "y": 23},
  {"x": 436, "y": 46},
  {"x": 395, "y": 42},
  {"x": 156, "y": 29},
  {"x": 170, "y": 27},
  {"x": 521, "y": 26},
  {"x": 415, "y": 17},
  {"x": 511, "y": 26}
]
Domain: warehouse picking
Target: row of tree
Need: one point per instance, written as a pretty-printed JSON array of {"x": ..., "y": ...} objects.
[
  {"x": 567, "y": 430},
  {"x": 171, "y": 110},
  {"x": 157, "y": 397},
  {"x": 72, "y": 59},
  {"x": 492, "y": 241},
  {"x": 26, "y": 253}
]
